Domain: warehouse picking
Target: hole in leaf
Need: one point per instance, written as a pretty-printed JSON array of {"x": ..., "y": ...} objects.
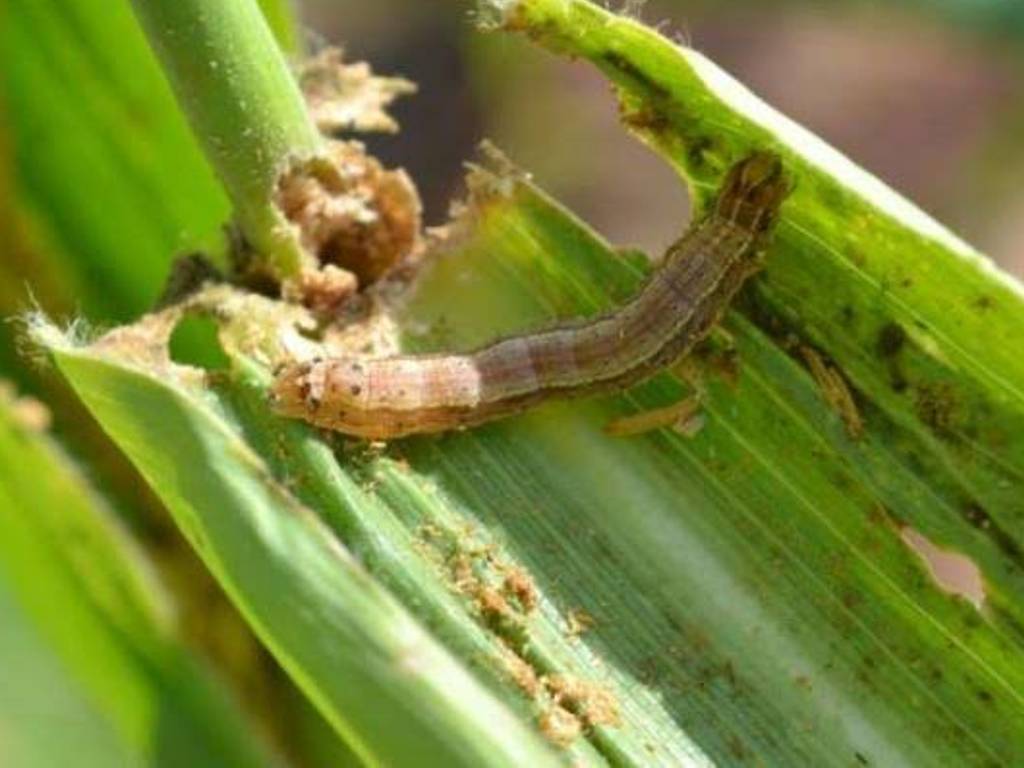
[
  {"x": 194, "y": 342},
  {"x": 953, "y": 572}
]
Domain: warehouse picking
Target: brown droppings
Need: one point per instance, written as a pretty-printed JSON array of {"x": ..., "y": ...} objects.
[
  {"x": 492, "y": 604},
  {"x": 522, "y": 674},
  {"x": 350, "y": 211},
  {"x": 593, "y": 703},
  {"x": 461, "y": 568},
  {"x": 560, "y": 727},
  {"x": 326, "y": 290},
  {"x": 502, "y": 593},
  {"x": 579, "y": 621},
  {"x": 520, "y": 587},
  {"x": 342, "y": 96},
  {"x": 836, "y": 391},
  {"x": 502, "y": 605}
]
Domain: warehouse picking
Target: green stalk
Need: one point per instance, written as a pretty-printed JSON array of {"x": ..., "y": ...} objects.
[{"x": 243, "y": 104}]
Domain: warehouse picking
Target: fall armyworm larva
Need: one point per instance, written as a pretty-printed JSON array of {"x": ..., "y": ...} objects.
[{"x": 380, "y": 398}]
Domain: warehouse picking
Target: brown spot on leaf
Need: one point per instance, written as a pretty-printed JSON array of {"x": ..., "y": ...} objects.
[
  {"x": 984, "y": 303},
  {"x": 623, "y": 66},
  {"x": 936, "y": 405},
  {"x": 891, "y": 339}
]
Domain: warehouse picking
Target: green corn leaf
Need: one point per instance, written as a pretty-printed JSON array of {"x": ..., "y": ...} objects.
[
  {"x": 353, "y": 649},
  {"x": 88, "y": 640}
]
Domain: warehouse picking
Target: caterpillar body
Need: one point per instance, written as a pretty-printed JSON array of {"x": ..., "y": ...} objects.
[{"x": 388, "y": 397}]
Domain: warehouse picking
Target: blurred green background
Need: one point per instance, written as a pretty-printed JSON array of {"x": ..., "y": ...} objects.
[
  {"x": 101, "y": 186},
  {"x": 926, "y": 95}
]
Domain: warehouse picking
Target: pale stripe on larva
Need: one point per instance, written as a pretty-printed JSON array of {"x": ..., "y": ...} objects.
[{"x": 389, "y": 397}]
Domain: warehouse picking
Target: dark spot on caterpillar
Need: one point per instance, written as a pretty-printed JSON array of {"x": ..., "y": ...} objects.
[{"x": 355, "y": 389}]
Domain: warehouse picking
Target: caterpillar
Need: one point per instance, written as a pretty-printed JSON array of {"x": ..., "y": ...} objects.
[{"x": 678, "y": 305}]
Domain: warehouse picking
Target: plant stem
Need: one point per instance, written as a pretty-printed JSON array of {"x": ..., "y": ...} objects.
[{"x": 243, "y": 104}]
